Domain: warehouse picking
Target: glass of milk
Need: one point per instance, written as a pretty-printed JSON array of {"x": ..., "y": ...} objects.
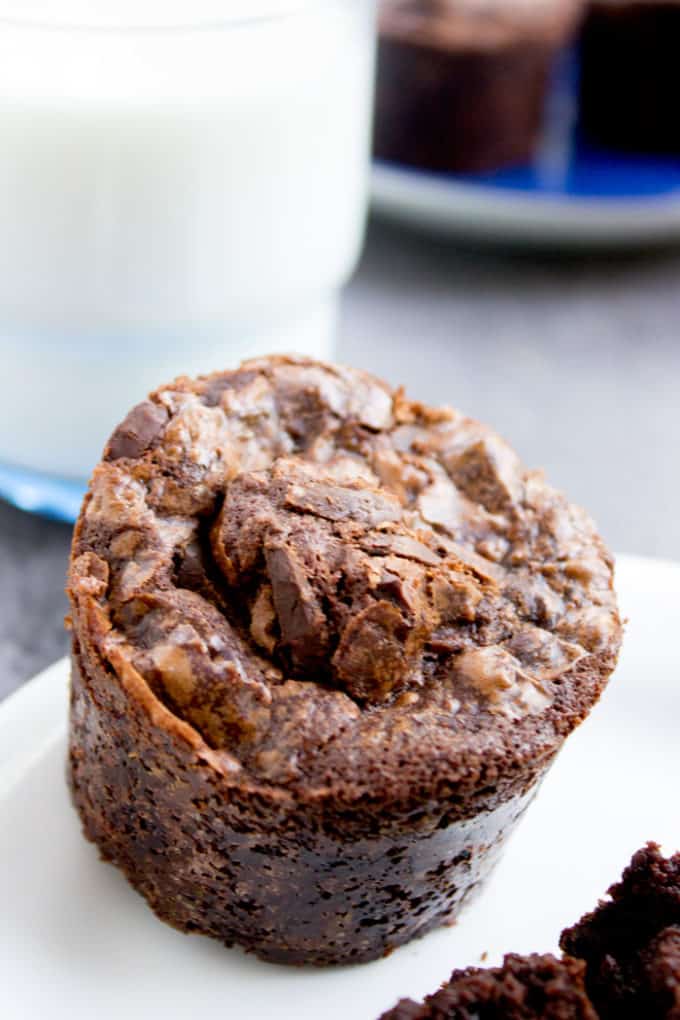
[{"x": 182, "y": 184}]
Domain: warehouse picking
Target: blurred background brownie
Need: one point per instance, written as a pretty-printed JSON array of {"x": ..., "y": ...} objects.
[
  {"x": 462, "y": 83},
  {"x": 630, "y": 75}
]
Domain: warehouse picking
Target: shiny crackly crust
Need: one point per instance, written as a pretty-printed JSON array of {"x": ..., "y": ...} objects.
[
  {"x": 198, "y": 719},
  {"x": 384, "y": 525}
]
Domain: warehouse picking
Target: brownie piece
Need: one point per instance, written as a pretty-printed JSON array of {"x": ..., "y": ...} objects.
[
  {"x": 630, "y": 77},
  {"x": 624, "y": 962},
  {"x": 631, "y": 942},
  {"x": 524, "y": 988},
  {"x": 326, "y": 643},
  {"x": 461, "y": 84}
]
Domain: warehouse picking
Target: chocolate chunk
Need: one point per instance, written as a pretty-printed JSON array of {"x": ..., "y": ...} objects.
[
  {"x": 404, "y": 581},
  {"x": 300, "y": 617},
  {"x": 375, "y": 655},
  {"x": 456, "y": 597},
  {"x": 137, "y": 432},
  {"x": 440, "y": 504},
  {"x": 400, "y": 545},
  {"x": 393, "y": 585},
  {"x": 306, "y": 400},
  {"x": 339, "y": 503},
  {"x": 542, "y": 654},
  {"x": 489, "y": 472},
  {"x": 190, "y": 570},
  {"x": 370, "y": 402},
  {"x": 485, "y": 569},
  {"x": 215, "y": 386}
]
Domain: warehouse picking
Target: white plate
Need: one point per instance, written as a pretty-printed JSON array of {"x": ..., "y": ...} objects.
[
  {"x": 491, "y": 212},
  {"x": 76, "y": 943}
]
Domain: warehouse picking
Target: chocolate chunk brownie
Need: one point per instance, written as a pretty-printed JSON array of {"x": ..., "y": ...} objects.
[
  {"x": 631, "y": 942},
  {"x": 629, "y": 75},
  {"x": 462, "y": 84},
  {"x": 525, "y": 987},
  {"x": 326, "y": 642}
]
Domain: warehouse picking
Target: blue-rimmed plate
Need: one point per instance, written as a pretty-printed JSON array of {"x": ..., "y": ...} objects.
[
  {"x": 597, "y": 199},
  {"x": 572, "y": 195}
]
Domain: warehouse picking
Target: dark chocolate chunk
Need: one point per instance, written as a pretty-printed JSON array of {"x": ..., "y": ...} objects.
[
  {"x": 300, "y": 617},
  {"x": 214, "y": 386},
  {"x": 375, "y": 656},
  {"x": 138, "y": 431}
]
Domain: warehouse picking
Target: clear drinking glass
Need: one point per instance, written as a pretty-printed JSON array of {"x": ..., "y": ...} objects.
[{"x": 180, "y": 188}]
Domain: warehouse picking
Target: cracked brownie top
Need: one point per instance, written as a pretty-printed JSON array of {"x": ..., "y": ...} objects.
[{"x": 331, "y": 583}]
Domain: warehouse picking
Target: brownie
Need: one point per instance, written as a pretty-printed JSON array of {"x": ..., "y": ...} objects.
[
  {"x": 525, "y": 987},
  {"x": 631, "y": 942},
  {"x": 629, "y": 75},
  {"x": 326, "y": 643},
  {"x": 462, "y": 84}
]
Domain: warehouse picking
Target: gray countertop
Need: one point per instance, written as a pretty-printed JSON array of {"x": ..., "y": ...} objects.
[{"x": 576, "y": 362}]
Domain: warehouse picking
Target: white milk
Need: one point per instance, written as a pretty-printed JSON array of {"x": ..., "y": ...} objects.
[{"x": 172, "y": 199}]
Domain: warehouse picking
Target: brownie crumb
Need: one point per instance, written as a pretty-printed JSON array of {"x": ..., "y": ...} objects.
[
  {"x": 621, "y": 962},
  {"x": 631, "y": 941},
  {"x": 524, "y": 988}
]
